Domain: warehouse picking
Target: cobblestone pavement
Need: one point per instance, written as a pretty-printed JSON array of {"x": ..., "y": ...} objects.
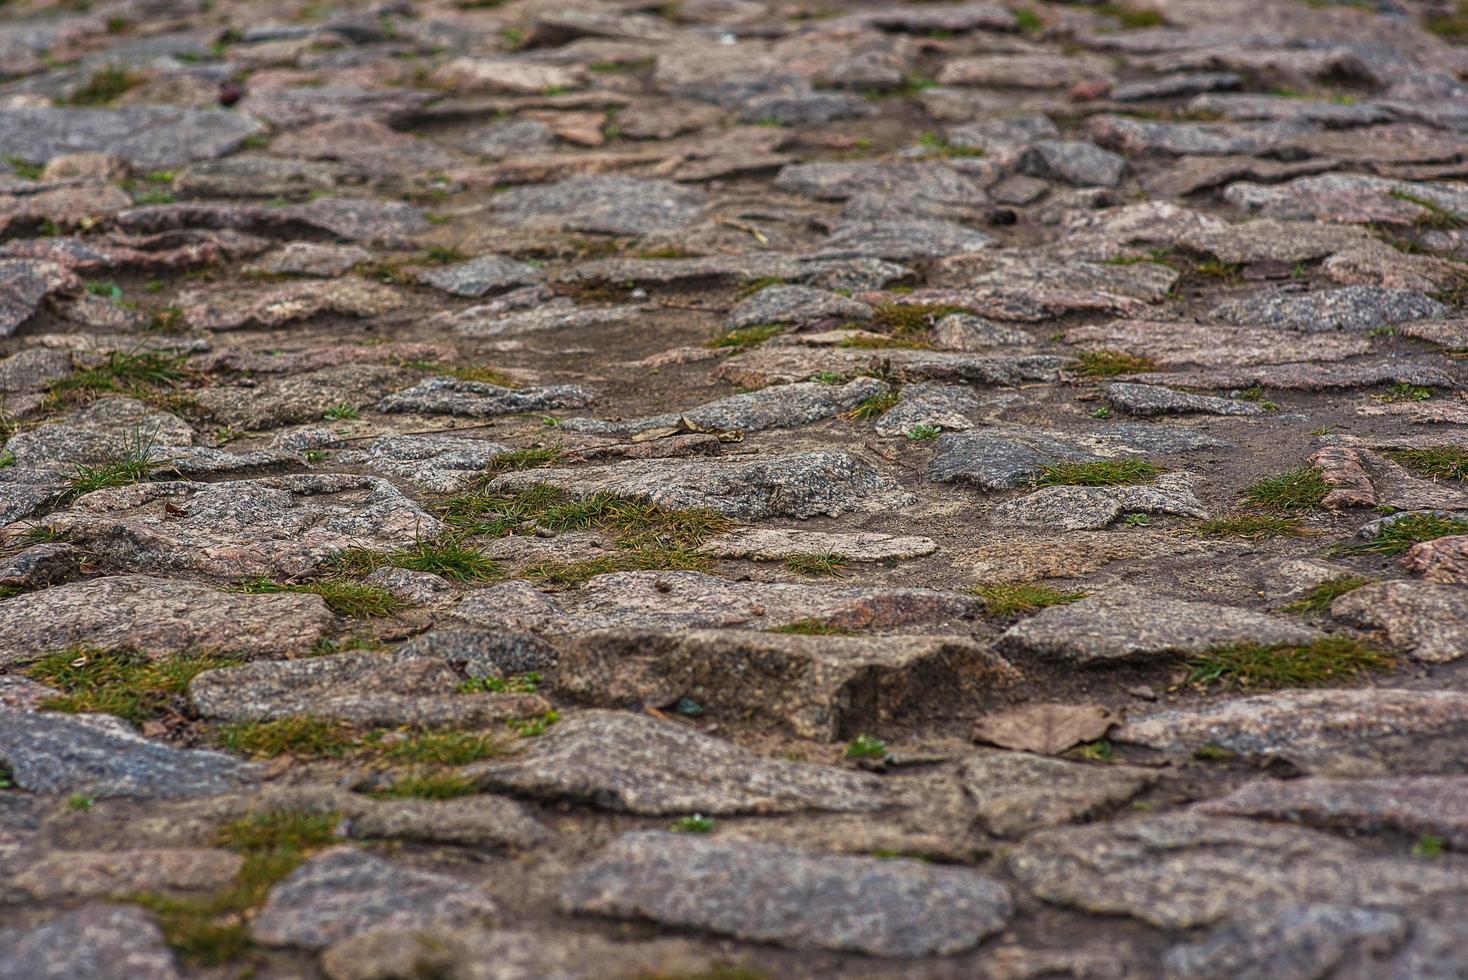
[{"x": 733, "y": 489}]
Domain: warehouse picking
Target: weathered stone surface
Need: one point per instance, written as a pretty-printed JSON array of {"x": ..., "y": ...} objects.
[
  {"x": 1297, "y": 942},
  {"x": 693, "y": 600},
  {"x": 101, "y": 940},
  {"x": 775, "y": 544},
  {"x": 829, "y": 482},
  {"x": 631, "y": 763},
  {"x": 310, "y": 259},
  {"x": 773, "y": 894},
  {"x": 504, "y": 954},
  {"x": 106, "y": 430},
  {"x": 1131, "y": 625},
  {"x": 1353, "y": 308},
  {"x": 159, "y": 617},
  {"x": 839, "y": 180},
  {"x": 1023, "y": 71},
  {"x": 24, "y": 284},
  {"x": 817, "y": 687},
  {"x": 1304, "y": 724},
  {"x": 480, "y": 276},
  {"x": 1073, "y": 161},
  {"x": 145, "y": 136},
  {"x": 1014, "y": 793},
  {"x": 775, "y": 407},
  {"x": 1179, "y": 343},
  {"x": 288, "y": 304},
  {"x": 1092, "y": 508},
  {"x": 69, "y": 875},
  {"x": 795, "y": 304},
  {"x": 478, "y": 399},
  {"x": 1439, "y": 560},
  {"x": 996, "y": 463},
  {"x": 342, "y": 892},
  {"x": 442, "y": 463},
  {"x": 1178, "y": 871},
  {"x": 1268, "y": 240},
  {"x": 1417, "y": 805},
  {"x": 298, "y": 397},
  {"x": 951, "y": 407},
  {"x": 1142, "y": 136},
  {"x": 284, "y": 525},
  {"x": 1429, "y": 620},
  {"x": 901, "y": 240},
  {"x": 605, "y": 205},
  {"x": 1145, "y": 400},
  {"x": 100, "y": 756},
  {"x": 370, "y": 689}
]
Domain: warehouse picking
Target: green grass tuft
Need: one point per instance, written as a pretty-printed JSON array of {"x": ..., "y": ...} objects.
[
  {"x": 1251, "y": 527},
  {"x": 1400, "y": 535},
  {"x": 695, "y": 824},
  {"x": 875, "y": 407},
  {"x": 1108, "y": 363},
  {"x": 444, "y": 748},
  {"x": 103, "y": 86},
  {"x": 342, "y": 596},
  {"x": 1438, "y": 462},
  {"x": 748, "y": 337},
  {"x": 1318, "y": 599},
  {"x": 866, "y": 747},
  {"x": 146, "y": 376},
  {"x": 305, "y": 736},
  {"x": 442, "y": 786},
  {"x": 1301, "y": 489},
  {"x": 1104, "y": 473},
  {"x": 827, "y": 564},
  {"x": 1014, "y": 598},
  {"x": 811, "y": 627},
  {"x": 122, "y": 683},
  {"x": 1252, "y": 665}
]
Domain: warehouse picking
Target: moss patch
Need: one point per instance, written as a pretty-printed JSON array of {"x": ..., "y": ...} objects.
[
  {"x": 1016, "y": 598},
  {"x": 1251, "y": 665}
]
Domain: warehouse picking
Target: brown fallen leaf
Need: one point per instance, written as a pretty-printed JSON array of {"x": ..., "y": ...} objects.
[{"x": 1046, "y": 729}]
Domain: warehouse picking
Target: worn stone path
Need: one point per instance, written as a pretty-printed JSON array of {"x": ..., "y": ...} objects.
[{"x": 733, "y": 489}]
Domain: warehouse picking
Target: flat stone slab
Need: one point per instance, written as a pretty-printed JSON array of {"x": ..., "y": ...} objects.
[
  {"x": 342, "y": 892},
  {"x": 1129, "y": 626},
  {"x": 24, "y": 286},
  {"x": 826, "y": 482},
  {"x": 284, "y": 525},
  {"x": 1014, "y": 793},
  {"x": 102, "y": 940},
  {"x": 160, "y": 617},
  {"x": 441, "y": 463},
  {"x": 1428, "y": 619},
  {"x": 148, "y": 137},
  {"x": 823, "y": 687},
  {"x": 231, "y": 309},
  {"x": 1295, "y": 942},
  {"x": 1179, "y": 871},
  {"x": 1417, "y": 805},
  {"x": 373, "y": 689},
  {"x": 477, "y": 399},
  {"x": 775, "y": 407},
  {"x": 610, "y": 205},
  {"x": 766, "y": 893},
  {"x": 1351, "y": 308},
  {"x": 71, "y": 875},
  {"x": 1303, "y": 723},
  {"x": 1174, "y": 344},
  {"x": 633, "y": 763},
  {"x": 779, "y": 543},
  {"x": 1268, "y": 240},
  {"x": 100, "y": 756},
  {"x": 1091, "y": 508},
  {"x": 693, "y": 600},
  {"x": 1148, "y": 400},
  {"x": 479, "y": 276},
  {"x": 794, "y": 304}
]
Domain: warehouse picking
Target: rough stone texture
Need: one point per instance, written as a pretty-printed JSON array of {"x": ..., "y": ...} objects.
[
  {"x": 102, "y": 940},
  {"x": 478, "y": 399},
  {"x": 1303, "y": 723},
  {"x": 100, "y": 874},
  {"x": 630, "y": 763},
  {"x": 773, "y": 544},
  {"x": 1178, "y": 871},
  {"x": 605, "y": 205},
  {"x": 693, "y": 600},
  {"x": 1014, "y": 793},
  {"x": 480, "y": 276},
  {"x": 148, "y": 137},
  {"x": 817, "y": 687},
  {"x": 442, "y": 463},
  {"x": 24, "y": 284},
  {"x": 160, "y": 617},
  {"x": 1130, "y": 625},
  {"x": 278, "y": 525},
  {"x": 1146, "y": 400},
  {"x": 369, "y": 689},
  {"x": 776, "y": 407},
  {"x": 97, "y": 755},
  {"x": 795, "y": 304},
  {"x": 1091, "y": 508},
  {"x": 342, "y": 892},
  {"x": 779, "y": 895},
  {"x": 288, "y": 304},
  {"x": 1353, "y": 308},
  {"x": 1301, "y": 942},
  {"x": 829, "y": 482},
  {"x": 1417, "y": 805},
  {"x": 1429, "y": 620}
]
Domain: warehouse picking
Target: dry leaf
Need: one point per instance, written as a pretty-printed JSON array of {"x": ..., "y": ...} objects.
[{"x": 1047, "y": 729}]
